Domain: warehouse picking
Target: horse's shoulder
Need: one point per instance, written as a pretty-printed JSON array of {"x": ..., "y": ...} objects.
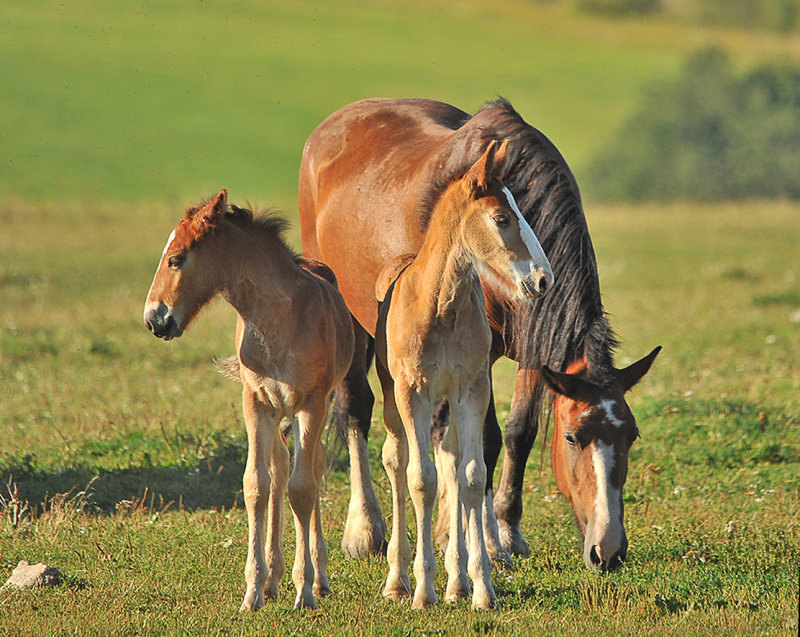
[{"x": 390, "y": 272}]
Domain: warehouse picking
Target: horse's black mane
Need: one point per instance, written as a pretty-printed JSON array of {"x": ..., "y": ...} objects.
[{"x": 569, "y": 321}]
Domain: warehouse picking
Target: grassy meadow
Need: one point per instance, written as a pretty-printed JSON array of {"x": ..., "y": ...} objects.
[{"x": 121, "y": 456}]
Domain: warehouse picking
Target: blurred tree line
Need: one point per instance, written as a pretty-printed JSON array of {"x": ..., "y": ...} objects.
[
  {"x": 774, "y": 15},
  {"x": 710, "y": 134}
]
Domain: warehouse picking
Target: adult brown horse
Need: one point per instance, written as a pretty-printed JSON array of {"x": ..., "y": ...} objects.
[{"x": 368, "y": 176}]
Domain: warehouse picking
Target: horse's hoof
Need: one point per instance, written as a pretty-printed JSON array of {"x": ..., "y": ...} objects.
[
  {"x": 322, "y": 590},
  {"x": 451, "y": 596},
  {"x": 424, "y": 604},
  {"x": 364, "y": 544},
  {"x": 512, "y": 540},
  {"x": 502, "y": 559},
  {"x": 397, "y": 590},
  {"x": 305, "y": 600},
  {"x": 252, "y": 602}
]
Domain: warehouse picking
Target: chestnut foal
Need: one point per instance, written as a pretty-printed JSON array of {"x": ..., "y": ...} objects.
[
  {"x": 294, "y": 339},
  {"x": 432, "y": 342}
]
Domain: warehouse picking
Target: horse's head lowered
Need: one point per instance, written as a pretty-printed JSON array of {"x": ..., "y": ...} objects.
[
  {"x": 184, "y": 280},
  {"x": 594, "y": 430},
  {"x": 508, "y": 252}
]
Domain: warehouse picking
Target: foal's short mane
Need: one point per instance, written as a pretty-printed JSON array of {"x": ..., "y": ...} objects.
[
  {"x": 268, "y": 222},
  {"x": 569, "y": 321}
]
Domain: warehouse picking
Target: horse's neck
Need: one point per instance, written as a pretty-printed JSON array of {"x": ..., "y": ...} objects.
[
  {"x": 445, "y": 270},
  {"x": 261, "y": 281}
]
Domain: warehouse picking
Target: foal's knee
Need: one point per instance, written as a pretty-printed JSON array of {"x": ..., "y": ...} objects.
[
  {"x": 302, "y": 492},
  {"x": 472, "y": 477},
  {"x": 423, "y": 482}
]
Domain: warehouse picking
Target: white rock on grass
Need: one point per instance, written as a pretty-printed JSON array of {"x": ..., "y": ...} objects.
[{"x": 33, "y": 576}]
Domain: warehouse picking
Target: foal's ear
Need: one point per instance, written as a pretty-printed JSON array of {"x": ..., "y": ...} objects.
[
  {"x": 477, "y": 177},
  {"x": 632, "y": 374},
  {"x": 561, "y": 382},
  {"x": 207, "y": 217},
  {"x": 500, "y": 160}
]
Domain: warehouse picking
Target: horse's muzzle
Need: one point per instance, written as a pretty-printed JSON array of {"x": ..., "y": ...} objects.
[
  {"x": 537, "y": 283},
  {"x": 606, "y": 561},
  {"x": 160, "y": 321}
]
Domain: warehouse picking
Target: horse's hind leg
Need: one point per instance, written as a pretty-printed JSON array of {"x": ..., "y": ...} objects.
[
  {"x": 365, "y": 530},
  {"x": 303, "y": 495},
  {"x": 519, "y": 437},
  {"x": 319, "y": 550},
  {"x": 492, "y": 442},
  {"x": 257, "y": 485}
]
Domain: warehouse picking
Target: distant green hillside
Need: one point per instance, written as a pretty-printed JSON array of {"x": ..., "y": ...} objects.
[{"x": 170, "y": 100}]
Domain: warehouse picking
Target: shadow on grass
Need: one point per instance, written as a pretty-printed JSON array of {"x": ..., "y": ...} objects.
[{"x": 206, "y": 483}]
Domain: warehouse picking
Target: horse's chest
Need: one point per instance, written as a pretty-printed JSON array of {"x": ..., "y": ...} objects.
[{"x": 442, "y": 359}]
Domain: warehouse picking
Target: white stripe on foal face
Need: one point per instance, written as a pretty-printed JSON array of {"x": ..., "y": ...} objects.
[{"x": 528, "y": 237}]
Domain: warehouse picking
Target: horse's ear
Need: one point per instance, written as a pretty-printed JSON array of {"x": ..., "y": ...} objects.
[
  {"x": 500, "y": 160},
  {"x": 477, "y": 177},
  {"x": 632, "y": 374},
  {"x": 220, "y": 202},
  {"x": 560, "y": 382}
]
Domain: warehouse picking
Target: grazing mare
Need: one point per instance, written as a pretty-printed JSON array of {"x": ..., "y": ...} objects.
[
  {"x": 294, "y": 341},
  {"x": 366, "y": 176},
  {"x": 432, "y": 342}
]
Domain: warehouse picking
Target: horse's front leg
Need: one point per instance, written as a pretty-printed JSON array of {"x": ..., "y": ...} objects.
[
  {"x": 395, "y": 461},
  {"x": 467, "y": 416},
  {"x": 319, "y": 549},
  {"x": 261, "y": 433},
  {"x": 455, "y": 558},
  {"x": 364, "y": 530},
  {"x": 303, "y": 496},
  {"x": 520, "y": 434},
  {"x": 416, "y": 411},
  {"x": 279, "y": 476}
]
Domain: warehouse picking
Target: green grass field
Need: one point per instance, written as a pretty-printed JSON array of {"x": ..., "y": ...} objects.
[{"x": 121, "y": 456}]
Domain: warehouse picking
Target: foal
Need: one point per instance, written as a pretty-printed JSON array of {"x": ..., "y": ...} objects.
[
  {"x": 432, "y": 342},
  {"x": 294, "y": 341}
]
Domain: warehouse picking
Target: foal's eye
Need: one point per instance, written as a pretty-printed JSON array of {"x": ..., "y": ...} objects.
[
  {"x": 570, "y": 438},
  {"x": 176, "y": 261},
  {"x": 501, "y": 219}
]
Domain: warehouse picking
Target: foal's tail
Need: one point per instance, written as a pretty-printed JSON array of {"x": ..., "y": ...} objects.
[{"x": 229, "y": 367}]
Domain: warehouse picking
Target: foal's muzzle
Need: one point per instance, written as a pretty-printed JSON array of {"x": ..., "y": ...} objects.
[
  {"x": 537, "y": 283},
  {"x": 160, "y": 321}
]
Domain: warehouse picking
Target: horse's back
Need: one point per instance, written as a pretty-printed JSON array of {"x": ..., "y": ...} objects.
[{"x": 365, "y": 174}]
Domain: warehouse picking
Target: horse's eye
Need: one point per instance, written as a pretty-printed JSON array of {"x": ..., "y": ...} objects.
[
  {"x": 175, "y": 262},
  {"x": 570, "y": 438},
  {"x": 501, "y": 219}
]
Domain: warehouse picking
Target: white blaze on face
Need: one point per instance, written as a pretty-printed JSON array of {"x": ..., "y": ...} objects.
[
  {"x": 149, "y": 305},
  {"x": 169, "y": 242},
  {"x": 606, "y": 502},
  {"x": 538, "y": 257}
]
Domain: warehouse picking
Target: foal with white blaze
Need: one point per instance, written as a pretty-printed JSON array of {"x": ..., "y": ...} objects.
[
  {"x": 294, "y": 341},
  {"x": 432, "y": 342}
]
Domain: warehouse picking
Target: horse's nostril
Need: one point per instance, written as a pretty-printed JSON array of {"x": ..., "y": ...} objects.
[
  {"x": 542, "y": 284},
  {"x": 595, "y": 557}
]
